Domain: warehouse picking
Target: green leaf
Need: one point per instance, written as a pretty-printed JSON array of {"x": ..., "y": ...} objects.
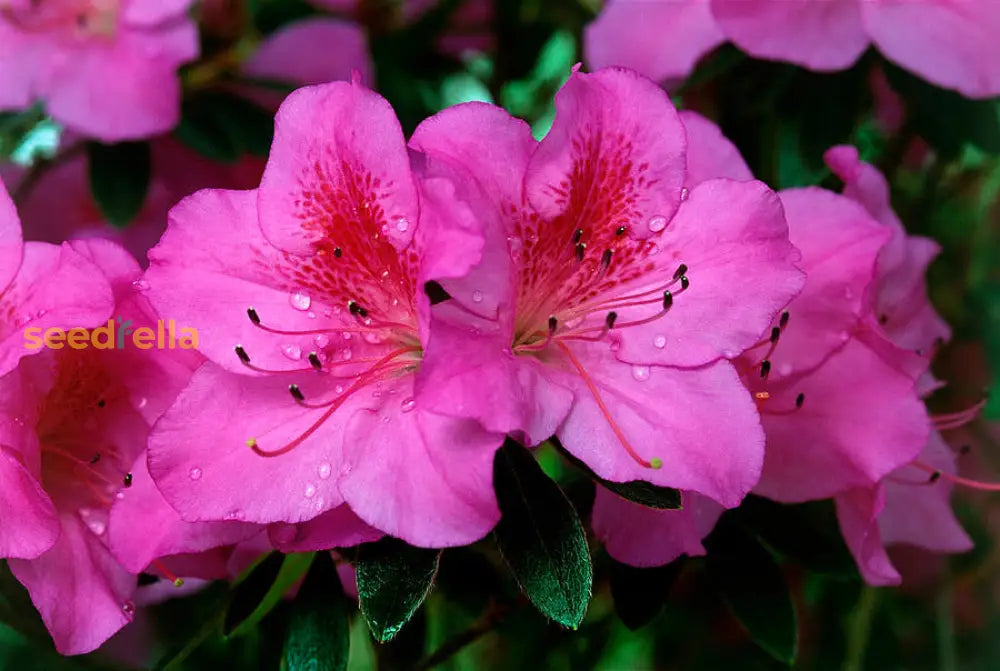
[
  {"x": 639, "y": 593},
  {"x": 754, "y": 587},
  {"x": 262, "y": 589},
  {"x": 637, "y": 491},
  {"x": 119, "y": 179},
  {"x": 319, "y": 632},
  {"x": 393, "y": 580},
  {"x": 541, "y": 537},
  {"x": 223, "y": 126}
]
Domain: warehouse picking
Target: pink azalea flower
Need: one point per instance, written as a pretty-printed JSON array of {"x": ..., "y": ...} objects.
[
  {"x": 331, "y": 253},
  {"x": 42, "y": 286},
  {"x": 609, "y": 297},
  {"x": 948, "y": 43},
  {"x": 104, "y": 68},
  {"x": 84, "y": 515}
]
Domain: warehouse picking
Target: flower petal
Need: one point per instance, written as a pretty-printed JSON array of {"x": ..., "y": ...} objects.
[
  {"x": 857, "y": 511},
  {"x": 11, "y": 245},
  {"x": 710, "y": 154},
  {"x": 337, "y": 528},
  {"x": 30, "y": 526}
]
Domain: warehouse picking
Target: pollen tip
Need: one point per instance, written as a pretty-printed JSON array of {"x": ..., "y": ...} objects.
[
  {"x": 783, "y": 321},
  {"x": 254, "y": 317},
  {"x": 799, "y": 400},
  {"x": 178, "y": 582},
  {"x": 314, "y": 361},
  {"x": 252, "y": 443},
  {"x": 609, "y": 321},
  {"x": 581, "y": 250},
  {"x": 127, "y": 480},
  {"x": 242, "y": 354},
  {"x": 765, "y": 368},
  {"x": 681, "y": 270},
  {"x": 606, "y": 258},
  {"x": 296, "y": 393},
  {"x": 685, "y": 282},
  {"x": 656, "y": 463},
  {"x": 621, "y": 230},
  {"x": 935, "y": 476},
  {"x": 668, "y": 299},
  {"x": 553, "y": 324},
  {"x": 775, "y": 334},
  {"x": 338, "y": 252},
  {"x": 577, "y": 234}
]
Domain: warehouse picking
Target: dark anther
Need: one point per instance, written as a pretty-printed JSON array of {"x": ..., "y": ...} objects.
[
  {"x": 101, "y": 403},
  {"x": 681, "y": 269},
  {"x": 128, "y": 479},
  {"x": 783, "y": 321},
  {"x": 314, "y": 361},
  {"x": 577, "y": 234},
  {"x": 685, "y": 282},
  {"x": 553, "y": 323},
  {"x": 668, "y": 299},
  {"x": 964, "y": 450},
  {"x": 621, "y": 230},
  {"x": 799, "y": 400},
  {"x": 296, "y": 393},
  {"x": 94, "y": 459},
  {"x": 765, "y": 368},
  {"x": 338, "y": 252},
  {"x": 436, "y": 292},
  {"x": 254, "y": 317},
  {"x": 883, "y": 319},
  {"x": 606, "y": 258},
  {"x": 935, "y": 476},
  {"x": 775, "y": 334},
  {"x": 356, "y": 309},
  {"x": 242, "y": 354},
  {"x": 609, "y": 321},
  {"x": 580, "y": 249}
]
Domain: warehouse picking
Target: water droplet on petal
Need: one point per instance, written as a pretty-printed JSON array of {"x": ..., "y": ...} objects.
[
  {"x": 408, "y": 405},
  {"x": 338, "y": 389},
  {"x": 300, "y": 301},
  {"x": 322, "y": 340},
  {"x": 346, "y": 354},
  {"x": 236, "y": 514},
  {"x": 324, "y": 471},
  {"x": 195, "y": 473},
  {"x": 657, "y": 224},
  {"x": 402, "y": 225},
  {"x": 318, "y": 505},
  {"x": 660, "y": 341},
  {"x": 372, "y": 338},
  {"x": 310, "y": 491},
  {"x": 685, "y": 193},
  {"x": 292, "y": 351},
  {"x": 640, "y": 373},
  {"x": 311, "y": 314},
  {"x": 477, "y": 296},
  {"x": 140, "y": 285},
  {"x": 128, "y": 608}
]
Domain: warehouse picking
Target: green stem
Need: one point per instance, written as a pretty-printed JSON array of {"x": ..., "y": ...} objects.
[{"x": 859, "y": 629}]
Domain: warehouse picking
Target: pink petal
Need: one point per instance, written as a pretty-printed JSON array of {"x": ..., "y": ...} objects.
[
  {"x": 641, "y": 536},
  {"x": 418, "y": 476},
  {"x": 710, "y": 155},
  {"x": 857, "y": 511},
  {"x": 661, "y": 40},
  {"x": 733, "y": 238},
  {"x": 669, "y": 414},
  {"x": 30, "y": 526},
  {"x": 300, "y": 53},
  {"x": 337, "y": 528},
  {"x": 825, "y": 35},
  {"x": 11, "y": 246},
  {"x": 614, "y": 156},
  {"x": 79, "y": 590},
  {"x": 199, "y": 458},
  {"x": 22, "y": 56},
  {"x": 143, "y": 527},
  {"x": 951, "y": 44},
  {"x": 124, "y": 89},
  {"x": 839, "y": 242},
  {"x": 150, "y": 12},
  {"x": 860, "y": 420},
  {"x": 324, "y": 179},
  {"x": 55, "y": 287}
]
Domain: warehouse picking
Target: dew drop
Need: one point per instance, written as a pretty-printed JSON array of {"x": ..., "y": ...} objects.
[
  {"x": 685, "y": 193},
  {"x": 311, "y": 314},
  {"x": 318, "y": 505},
  {"x": 140, "y": 285},
  {"x": 402, "y": 225},
  {"x": 660, "y": 341},
  {"x": 477, "y": 296},
  {"x": 657, "y": 224},
  {"x": 234, "y": 515},
  {"x": 324, "y": 471},
  {"x": 142, "y": 402},
  {"x": 195, "y": 473},
  {"x": 346, "y": 354},
  {"x": 372, "y": 338},
  {"x": 338, "y": 389},
  {"x": 640, "y": 373},
  {"x": 322, "y": 340},
  {"x": 292, "y": 351},
  {"x": 408, "y": 405},
  {"x": 128, "y": 608},
  {"x": 300, "y": 301},
  {"x": 310, "y": 491}
]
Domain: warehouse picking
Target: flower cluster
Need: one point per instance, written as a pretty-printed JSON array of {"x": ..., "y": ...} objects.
[{"x": 379, "y": 315}]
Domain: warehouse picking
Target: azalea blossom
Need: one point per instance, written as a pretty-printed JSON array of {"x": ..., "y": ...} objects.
[
  {"x": 610, "y": 296},
  {"x": 83, "y": 517},
  {"x": 310, "y": 304},
  {"x": 951, "y": 44},
  {"x": 104, "y": 68}
]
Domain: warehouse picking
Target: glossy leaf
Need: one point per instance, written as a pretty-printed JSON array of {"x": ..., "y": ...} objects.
[
  {"x": 119, "y": 179},
  {"x": 319, "y": 634},
  {"x": 393, "y": 580}
]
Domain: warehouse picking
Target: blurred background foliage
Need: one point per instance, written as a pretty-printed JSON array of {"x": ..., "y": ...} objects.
[{"x": 942, "y": 158}]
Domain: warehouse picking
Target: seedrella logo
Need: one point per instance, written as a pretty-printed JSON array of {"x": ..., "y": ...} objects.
[{"x": 118, "y": 333}]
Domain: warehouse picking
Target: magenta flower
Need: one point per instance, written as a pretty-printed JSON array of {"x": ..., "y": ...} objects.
[
  {"x": 948, "y": 43},
  {"x": 84, "y": 516},
  {"x": 609, "y": 297},
  {"x": 104, "y": 68},
  {"x": 310, "y": 305},
  {"x": 42, "y": 286}
]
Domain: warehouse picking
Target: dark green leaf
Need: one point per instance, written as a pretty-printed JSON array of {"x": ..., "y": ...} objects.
[
  {"x": 261, "y": 588},
  {"x": 637, "y": 491},
  {"x": 754, "y": 587},
  {"x": 119, "y": 179},
  {"x": 223, "y": 126},
  {"x": 541, "y": 537},
  {"x": 393, "y": 580},
  {"x": 319, "y": 632},
  {"x": 639, "y": 593}
]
